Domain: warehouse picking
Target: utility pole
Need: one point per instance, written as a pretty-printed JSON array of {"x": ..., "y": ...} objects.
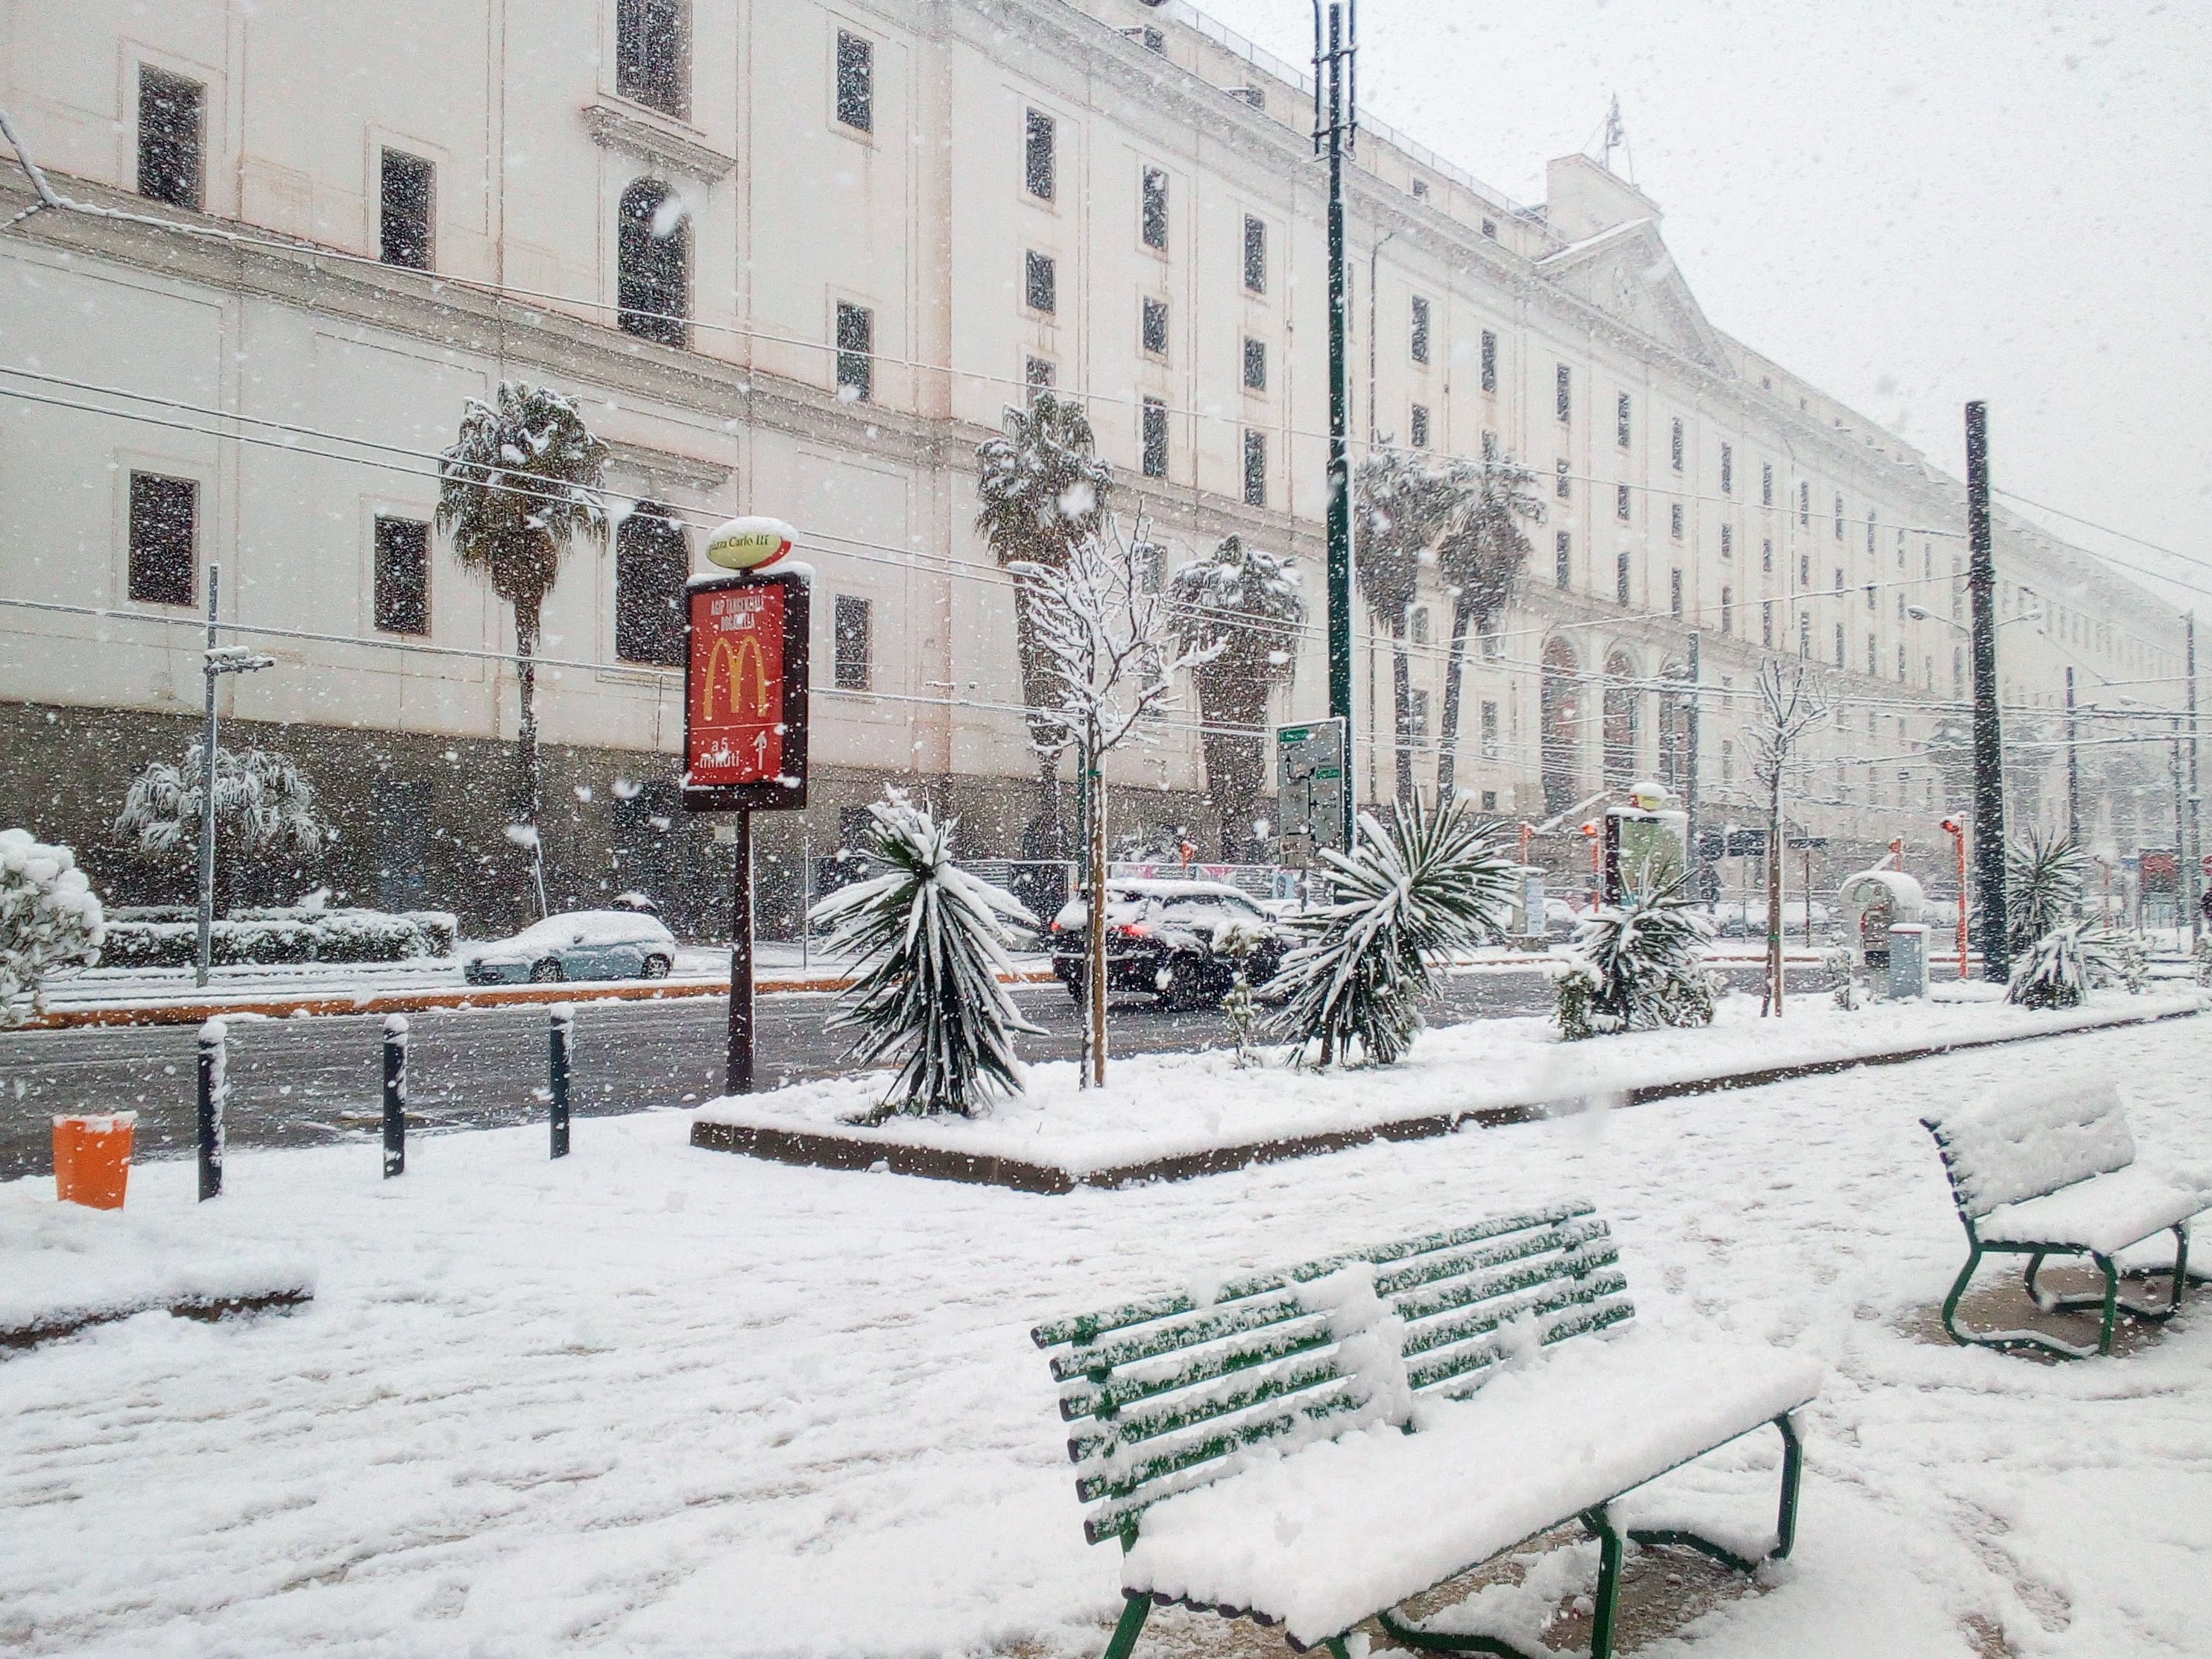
[
  {"x": 215, "y": 662},
  {"x": 1336, "y": 80},
  {"x": 1690, "y": 784},
  {"x": 2195, "y": 835},
  {"x": 1989, "y": 734},
  {"x": 2073, "y": 767}
]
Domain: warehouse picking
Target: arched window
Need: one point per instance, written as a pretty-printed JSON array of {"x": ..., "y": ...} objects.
[
  {"x": 1622, "y": 704},
  {"x": 654, "y": 276},
  {"x": 1562, "y": 730},
  {"x": 1674, "y": 731},
  {"x": 651, "y": 559}
]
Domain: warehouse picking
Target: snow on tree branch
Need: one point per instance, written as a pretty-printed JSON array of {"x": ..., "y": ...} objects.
[{"x": 50, "y": 918}]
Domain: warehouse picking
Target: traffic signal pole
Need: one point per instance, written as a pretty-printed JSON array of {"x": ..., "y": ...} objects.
[{"x": 1334, "y": 96}]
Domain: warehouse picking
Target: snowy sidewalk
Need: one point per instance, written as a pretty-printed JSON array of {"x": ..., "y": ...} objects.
[{"x": 650, "y": 1401}]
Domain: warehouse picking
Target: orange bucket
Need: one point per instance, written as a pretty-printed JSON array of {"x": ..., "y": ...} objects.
[{"x": 92, "y": 1158}]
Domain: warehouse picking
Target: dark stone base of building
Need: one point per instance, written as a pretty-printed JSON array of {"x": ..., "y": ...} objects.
[{"x": 422, "y": 821}]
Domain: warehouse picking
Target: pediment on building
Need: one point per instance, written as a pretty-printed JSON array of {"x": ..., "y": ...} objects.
[{"x": 1627, "y": 273}]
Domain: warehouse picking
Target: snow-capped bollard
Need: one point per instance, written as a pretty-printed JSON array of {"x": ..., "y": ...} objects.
[
  {"x": 564, "y": 1037},
  {"x": 215, "y": 1095},
  {"x": 395, "y": 1095}
]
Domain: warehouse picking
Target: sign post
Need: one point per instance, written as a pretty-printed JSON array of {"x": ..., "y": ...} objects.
[
  {"x": 744, "y": 724},
  {"x": 1312, "y": 793}
]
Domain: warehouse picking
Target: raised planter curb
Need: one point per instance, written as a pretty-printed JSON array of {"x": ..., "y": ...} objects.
[
  {"x": 208, "y": 1309},
  {"x": 822, "y": 1149}
]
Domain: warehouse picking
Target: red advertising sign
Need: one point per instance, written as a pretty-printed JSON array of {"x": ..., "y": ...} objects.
[{"x": 744, "y": 693}]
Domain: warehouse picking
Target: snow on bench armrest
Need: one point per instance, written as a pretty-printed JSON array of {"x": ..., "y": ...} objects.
[
  {"x": 1327, "y": 1535},
  {"x": 2021, "y": 1145},
  {"x": 2105, "y": 1213}
]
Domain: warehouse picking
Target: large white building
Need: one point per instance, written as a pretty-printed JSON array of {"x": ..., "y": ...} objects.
[{"x": 795, "y": 257}]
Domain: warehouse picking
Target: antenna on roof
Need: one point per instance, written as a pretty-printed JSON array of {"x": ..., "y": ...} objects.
[{"x": 1616, "y": 137}]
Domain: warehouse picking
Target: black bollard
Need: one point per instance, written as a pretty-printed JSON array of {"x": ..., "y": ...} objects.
[
  {"x": 214, "y": 1094},
  {"x": 563, "y": 1038},
  {"x": 395, "y": 1095}
]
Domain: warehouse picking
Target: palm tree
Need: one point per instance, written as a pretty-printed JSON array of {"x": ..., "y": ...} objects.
[
  {"x": 1042, "y": 491},
  {"x": 1398, "y": 501},
  {"x": 1479, "y": 557},
  {"x": 519, "y": 486},
  {"x": 1249, "y": 602},
  {"x": 266, "y": 819}
]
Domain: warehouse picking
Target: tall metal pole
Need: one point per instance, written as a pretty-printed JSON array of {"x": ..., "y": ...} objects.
[
  {"x": 1989, "y": 734},
  {"x": 737, "y": 1072},
  {"x": 2073, "y": 767},
  {"x": 2196, "y": 885},
  {"x": 1695, "y": 860},
  {"x": 204, "y": 952},
  {"x": 1335, "y": 76}
]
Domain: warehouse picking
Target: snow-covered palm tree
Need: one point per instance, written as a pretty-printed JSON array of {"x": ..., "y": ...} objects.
[
  {"x": 1042, "y": 492},
  {"x": 1248, "y": 602},
  {"x": 263, "y": 806},
  {"x": 519, "y": 486},
  {"x": 1479, "y": 557},
  {"x": 1399, "y": 498}
]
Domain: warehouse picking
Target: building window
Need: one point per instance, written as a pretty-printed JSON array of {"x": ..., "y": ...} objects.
[
  {"x": 1871, "y": 601},
  {"x": 651, "y": 562},
  {"x": 1256, "y": 255},
  {"x": 1489, "y": 360},
  {"x": 1901, "y": 670},
  {"x": 1421, "y": 425},
  {"x": 1620, "y": 502},
  {"x": 1255, "y": 364},
  {"x": 1563, "y": 559},
  {"x": 1839, "y": 518},
  {"x": 1766, "y": 556},
  {"x": 401, "y": 595},
  {"x": 1674, "y": 592},
  {"x": 1152, "y": 213},
  {"x": 856, "y": 347},
  {"x": 1038, "y": 374},
  {"x": 1563, "y": 484},
  {"x": 1255, "y": 469},
  {"x": 1766, "y": 624},
  {"x": 1728, "y": 610},
  {"x": 1038, "y": 157},
  {"x": 1420, "y": 190},
  {"x": 854, "y": 630},
  {"x": 1804, "y": 505},
  {"x": 1839, "y": 644},
  {"x": 1153, "y": 437},
  {"x": 1490, "y": 735},
  {"x": 1805, "y": 634},
  {"x": 1419, "y": 341},
  {"x": 406, "y": 191},
  {"x": 171, "y": 145},
  {"x": 1728, "y": 469},
  {"x": 1727, "y": 541},
  {"x": 652, "y": 54},
  {"x": 1766, "y": 484},
  {"x": 1149, "y": 561},
  {"x": 1623, "y": 425},
  {"x": 1418, "y": 621},
  {"x": 1417, "y": 717},
  {"x": 1804, "y": 569},
  {"x": 164, "y": 536},
  {"x": 856, "y": 82},
  {"x": 1621, "y": 576},
  {"x": 1489, "y": 445},
  {"x": 1872, "y": 665},
  {"x": 1041, "y": 282},
  {"x": 1676, "y": 442},
  {"x": 1153, "y": 330},
  {"x": 1563, "y": 392},
  {"x": 1870, "y": 520},
  {"x": 1957, "y": 669},
  {"x": 652, "y": 274},
  {"x": 1674, "y": 519}
]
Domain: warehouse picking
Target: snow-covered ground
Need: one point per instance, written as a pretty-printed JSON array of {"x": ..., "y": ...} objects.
[
  {"x": 1174, "y": 1105},
  {"x": 655, "y": 1400}
]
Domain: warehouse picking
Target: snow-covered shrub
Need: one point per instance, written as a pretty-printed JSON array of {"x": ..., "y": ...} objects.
[
  {"x": 2044, "y": 879},
  {"x": 264, "y": 808},
  {"x": 1843, "y": 978},
  {"x": 50, "y": 918},
  {"x": 1433, "y": 879},
  {"x": 1234, "y": 941},
  {"x": 162, "y": 938},
  {"x": 2064, "y": 965},
  {"x": 440, "y": 929},
  {"x": 1637, "y": 966},
  {"x": 2130, "y": 961},
  {"x": 2204, "y": 960},
  {"x": 932, "y": 942}
]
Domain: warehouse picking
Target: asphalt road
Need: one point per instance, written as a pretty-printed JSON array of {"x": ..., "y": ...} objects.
[{"x": 312, "y": 1081}]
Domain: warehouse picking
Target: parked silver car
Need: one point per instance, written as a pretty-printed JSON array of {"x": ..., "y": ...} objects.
[{"x": 578, "y": 945}]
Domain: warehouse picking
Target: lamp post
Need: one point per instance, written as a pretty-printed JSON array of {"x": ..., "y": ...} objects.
[
  {"x": 215, "y": 662},
  {"x": 1989, "y": 732},
  {"x": 1336, "y": 87}
]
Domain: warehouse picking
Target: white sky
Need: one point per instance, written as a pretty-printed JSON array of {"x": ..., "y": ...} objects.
[{"x": 1908, "y": 202}]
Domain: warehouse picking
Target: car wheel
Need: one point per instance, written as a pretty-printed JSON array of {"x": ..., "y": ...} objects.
[
  {"x": 546, "y": 972},
  {"x": 1074, "y": 983},
  {"x": 656, "y": 967}
]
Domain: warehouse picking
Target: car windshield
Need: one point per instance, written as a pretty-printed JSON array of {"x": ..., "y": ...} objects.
[{"x": 1202, "y": 903}]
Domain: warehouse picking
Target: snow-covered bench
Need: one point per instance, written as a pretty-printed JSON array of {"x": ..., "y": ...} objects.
[
  {"x": 1312, "y": 1448},
  {"x": 2052, "y": 1172}
]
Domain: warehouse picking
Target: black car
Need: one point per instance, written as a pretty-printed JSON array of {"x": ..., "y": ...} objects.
[{"x": 1163, "y": 938}]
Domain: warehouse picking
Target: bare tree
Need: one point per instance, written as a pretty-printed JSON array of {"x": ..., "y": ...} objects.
[
  {"x": 1789, "y": 702},
  {"x": 1103, "y": 636}
]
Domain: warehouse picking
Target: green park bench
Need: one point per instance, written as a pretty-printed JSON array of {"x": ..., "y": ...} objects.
[
  {"x": 2052, "y": 1172},
  {"x": 1312, "y": 1448}
]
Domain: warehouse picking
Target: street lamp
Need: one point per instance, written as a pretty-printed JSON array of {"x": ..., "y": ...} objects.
[
  {"x": 1921, "y": 613},
  {"x": 1336, "y": 87},
  {"x": 215, "y": 662}
]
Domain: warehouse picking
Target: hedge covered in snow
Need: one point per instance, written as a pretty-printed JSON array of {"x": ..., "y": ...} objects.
[
  {"x": 167, "y": 936},
  {"x": 50, "y": 918}
]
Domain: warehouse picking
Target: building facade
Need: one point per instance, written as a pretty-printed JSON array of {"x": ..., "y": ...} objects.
[{"x": 796, "y": 257}]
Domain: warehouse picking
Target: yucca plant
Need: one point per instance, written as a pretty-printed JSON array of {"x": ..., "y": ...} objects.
[
  {"x": 933, "y": 942},
  {"x": 2044, "y": 878},
  {"x": 1432, "y": 879},
  {"x": 2057, "y": 969},
  {"x": 1638, "y": 966}
]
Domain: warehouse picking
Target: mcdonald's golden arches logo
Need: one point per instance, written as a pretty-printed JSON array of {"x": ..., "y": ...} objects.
[{"x": 726, "y": 668}]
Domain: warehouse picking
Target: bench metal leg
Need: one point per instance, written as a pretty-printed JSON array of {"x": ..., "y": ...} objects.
[
  {"x": 1606, "y": 1607},
  {"x": 1785, "y": 1519},
  {"x": 1425, "y": 1641},
  {"x": 1134, "y": 1611},
  {"x": 2005, "y": 1340}
]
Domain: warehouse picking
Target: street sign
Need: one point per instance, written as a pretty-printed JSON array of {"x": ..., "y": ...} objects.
[
  {"x": 744, "y": 693},
  {"x": 744, "y": 741},
  {"x": 750, "y": 543},
  {"x": 1312, "y": 806}
]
